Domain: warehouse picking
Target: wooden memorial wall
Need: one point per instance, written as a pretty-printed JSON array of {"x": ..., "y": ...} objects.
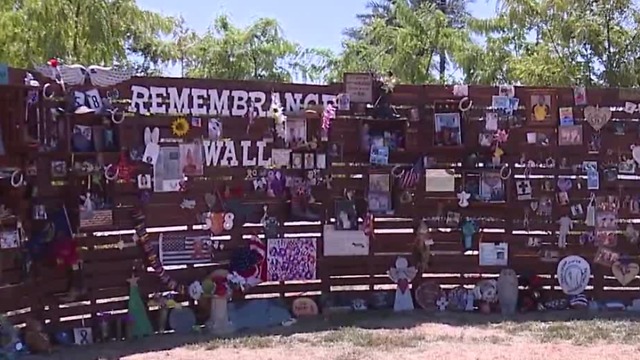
[{"x": 519, "y": 194}]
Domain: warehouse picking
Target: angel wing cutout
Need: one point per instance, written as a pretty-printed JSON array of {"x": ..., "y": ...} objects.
[
  {"x": 68, "y": 74},
  {"x": 108, "y": 76}
]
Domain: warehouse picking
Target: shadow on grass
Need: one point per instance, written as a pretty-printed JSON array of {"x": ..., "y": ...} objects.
[{"x": 354, "y": 329}]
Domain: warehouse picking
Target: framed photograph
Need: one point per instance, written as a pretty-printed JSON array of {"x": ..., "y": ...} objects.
[
  {"x": 606, "y": 257},
  {"x": 191, "y": 159},
  {"x": 492, "y": 187},
  {"x": 335, "y": 151},
  {"x": 570, "y": 135},
  {"x": 379, "y": 202},
  {"x": 346, "y": 215},
  {"x": 309, "y": 161},
  {"x": 296, "y": 133},
  {"x": 542, "y": 108},
  {"x": 379, "y": 183},
  {"x": 58, "y": 169},
  {"x": 448, "y": 130},
  {"x": 296, "y": 160}
]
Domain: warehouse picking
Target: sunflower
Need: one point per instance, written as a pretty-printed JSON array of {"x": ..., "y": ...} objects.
[{"x": 180, "y": 127}]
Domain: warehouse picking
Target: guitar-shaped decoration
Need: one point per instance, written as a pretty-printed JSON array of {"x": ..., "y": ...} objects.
[{"x": 77, "y": 74}]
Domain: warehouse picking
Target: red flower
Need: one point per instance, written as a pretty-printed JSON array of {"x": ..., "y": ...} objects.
[
  {"x": 66, "y": 252},
  {"x": 221, "y": 288},
  {"x": 53, "y": 62}
]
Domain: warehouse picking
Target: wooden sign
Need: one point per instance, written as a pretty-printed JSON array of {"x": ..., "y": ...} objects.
[
  {"x": 629, "y": 94},
  {"x": 359, "y": 87}
]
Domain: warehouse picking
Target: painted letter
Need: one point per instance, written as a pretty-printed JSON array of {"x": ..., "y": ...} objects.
[
  {"x": 219, "y": 102},
  {"x": 178, "y": 103},
  {"x": 328, "y": 99},
  {"x": 239, "y": 107},
  {"x": 258, "y": 98},
  {"x": 311, "y": 99},
  {"x": 139, "y": 96},
  {"x": 212, "y": 150},
  {"x": 261, "y": 160},
  {"x": 246, "y": 144},
  {"x": 292, "y": 102},
  {"x": 158, "y": 96},
  {"x": 229, "y": 158},
  {"x": 198, "y": 107}
]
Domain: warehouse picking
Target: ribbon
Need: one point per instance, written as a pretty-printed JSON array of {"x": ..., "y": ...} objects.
[
  {"x": 328, "y": 114},
  {"x": 152, "y": 258}
]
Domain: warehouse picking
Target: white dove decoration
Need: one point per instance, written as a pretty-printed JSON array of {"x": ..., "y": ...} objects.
[{"x": 76, "y": 74}]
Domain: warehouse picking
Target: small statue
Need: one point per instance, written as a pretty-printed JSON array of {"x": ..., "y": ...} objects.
[
  {"x": 402, "y": 274},
  {"x": 508, "y": 291},
  {"x": 468, "y": 229}
]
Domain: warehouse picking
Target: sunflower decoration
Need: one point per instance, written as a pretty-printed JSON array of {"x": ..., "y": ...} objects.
[{"x": 180, "y": 127}]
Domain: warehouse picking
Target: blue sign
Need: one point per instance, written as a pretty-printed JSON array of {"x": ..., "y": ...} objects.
[{"x": 4, "y": 74}]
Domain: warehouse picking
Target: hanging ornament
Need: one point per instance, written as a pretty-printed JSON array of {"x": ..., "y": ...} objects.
[
  {"x": 180, "y": 127},
  {"x": 195, "y": 290}
]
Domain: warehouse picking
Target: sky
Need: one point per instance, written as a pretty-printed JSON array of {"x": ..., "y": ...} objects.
[{"x": 312, "y": 24}]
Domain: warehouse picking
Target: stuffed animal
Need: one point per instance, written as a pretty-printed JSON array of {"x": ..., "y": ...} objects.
[
  {"x": 531, "y": 297},
  {"x": 36, "y": 339},
  {"x": 508, "y": 291}
]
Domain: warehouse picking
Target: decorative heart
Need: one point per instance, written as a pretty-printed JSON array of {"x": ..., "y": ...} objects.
[
  {"x": 635, "y": 152},
  {"x": 403, "y": 285},
  {"x": 625, "y": 273},
  {"x": 597, "y": 117}
]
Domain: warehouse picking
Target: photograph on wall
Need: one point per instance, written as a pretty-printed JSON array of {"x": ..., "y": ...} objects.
[
  {"x": 291, "y": 259},
  {"x": 167, "y": 173},
  {"x": 379, "y": 183},
  {"x": 346, "y": 215},
  {"x": 448, "y": 131},
  {"x": 570, "y": 135},
  {"x": 540, "y": 108},
  {"x": 296, "y": 133},
  {"x": 491, "y": 187},
  {"x": 191, "y": 159}
]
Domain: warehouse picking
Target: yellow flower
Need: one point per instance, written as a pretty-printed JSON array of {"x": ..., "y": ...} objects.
[{"x": 180, "y": 127}]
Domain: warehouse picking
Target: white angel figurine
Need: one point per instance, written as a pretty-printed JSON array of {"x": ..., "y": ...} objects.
[{"x": 402, "y": 275}]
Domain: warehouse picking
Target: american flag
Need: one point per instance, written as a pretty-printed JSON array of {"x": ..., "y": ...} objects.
[
  {"x": 409, "y": 177},
  {"x": 181, "y": 250}
]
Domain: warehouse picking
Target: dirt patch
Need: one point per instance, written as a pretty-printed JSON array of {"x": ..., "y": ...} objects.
[{"x": 378, "y": 336}]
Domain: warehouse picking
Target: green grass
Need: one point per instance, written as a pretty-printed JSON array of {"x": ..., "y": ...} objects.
[{"x": 578, "y": 332}]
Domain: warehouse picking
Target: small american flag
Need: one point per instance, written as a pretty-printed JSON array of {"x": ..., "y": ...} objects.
[
  {"x": 367, "y": 227},
  {"x": 181, "y": 250},
  {"x": 409, "y": 177}
]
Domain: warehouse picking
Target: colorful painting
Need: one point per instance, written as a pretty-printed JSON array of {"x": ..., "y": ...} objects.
[{"x": 291, "y": 259}]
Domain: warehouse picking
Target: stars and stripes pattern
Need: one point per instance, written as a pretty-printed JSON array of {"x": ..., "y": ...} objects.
[
  {"x": 409, "y": 177},
  {"x": 181, "y": 250},
  {"x": 367, "y": 226},
  {"x": 328, "y": 114}
]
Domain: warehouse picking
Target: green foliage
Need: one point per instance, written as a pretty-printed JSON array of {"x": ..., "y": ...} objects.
[
  {"x": 258, "y": 52},
  {"x": 529, "y": 42},
  {"x": 81, "y": 31}
]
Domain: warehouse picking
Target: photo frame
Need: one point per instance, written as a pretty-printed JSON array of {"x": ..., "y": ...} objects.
[
  {"x": 379, "y": 202},
  {"x": 344, "y": 243},
  {"x": 296, "y": 133},
  {"x": 440, "y": 180},
  {"x": 309, "y": 161},
  {"x": 296, "y": 160},
  {"x": 606, "y": 257},
  {"x": 570, "y": 135},
  {"x": 346, "y": 215},
  {"x": 281, "y": 158},
  {"x": 448, "y": 129},
  {"x": 379, "y": 183},
  {"x": 335, "y": 151},
  {"x": 492, "y": 188},
  {"x": 493, "y": 254},
  {"x": 542, "y": 107}
]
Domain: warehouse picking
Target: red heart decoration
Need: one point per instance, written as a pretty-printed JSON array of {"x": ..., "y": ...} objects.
[{"x": 403, "y": 285}]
